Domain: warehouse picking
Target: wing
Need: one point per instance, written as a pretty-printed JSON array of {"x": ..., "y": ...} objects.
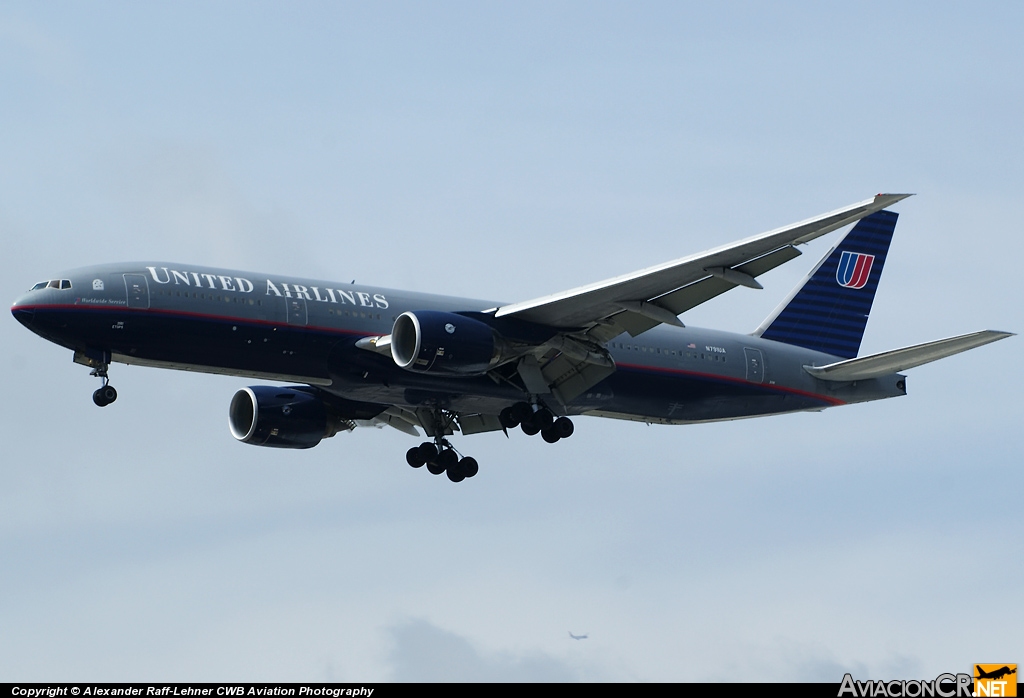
[{"x": 636, "y": 302}]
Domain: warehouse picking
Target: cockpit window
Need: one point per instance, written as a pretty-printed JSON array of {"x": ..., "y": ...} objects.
[{"x": 63, "y": 284}]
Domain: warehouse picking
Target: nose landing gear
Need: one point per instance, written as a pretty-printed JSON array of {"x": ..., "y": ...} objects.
[{"x": 106, "y": 394}]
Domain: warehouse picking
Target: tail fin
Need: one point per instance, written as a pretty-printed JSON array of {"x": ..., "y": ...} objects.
[{"x": 829, "y": 310}]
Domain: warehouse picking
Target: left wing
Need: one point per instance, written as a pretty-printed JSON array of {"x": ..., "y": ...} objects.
[
  {"x": 586, "y": 318},
  {"x": 639, "y": 301}
]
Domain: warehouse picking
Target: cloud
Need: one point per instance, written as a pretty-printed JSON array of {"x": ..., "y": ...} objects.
[{"x": 423, "y": 652}]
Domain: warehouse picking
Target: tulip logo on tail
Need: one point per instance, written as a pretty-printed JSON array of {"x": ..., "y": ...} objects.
[{"x": 854, "y": 269}]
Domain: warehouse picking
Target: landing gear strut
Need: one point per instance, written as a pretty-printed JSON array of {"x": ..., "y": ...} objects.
[
  {"x": 106, "y": 394},
  {"x": 536, "y": 419}
]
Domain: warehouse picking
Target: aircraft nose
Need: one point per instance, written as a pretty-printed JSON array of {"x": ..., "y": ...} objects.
[{"x": 23, "y": 314}]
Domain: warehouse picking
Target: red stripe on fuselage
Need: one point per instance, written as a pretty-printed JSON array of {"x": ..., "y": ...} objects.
[{"x": 188, "y": 314}]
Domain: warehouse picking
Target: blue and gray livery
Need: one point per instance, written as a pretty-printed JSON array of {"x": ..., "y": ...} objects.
[{"x": 357, "y": 355}]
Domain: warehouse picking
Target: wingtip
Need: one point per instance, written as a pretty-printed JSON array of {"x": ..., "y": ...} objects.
[{"x": 892, "y": 198}]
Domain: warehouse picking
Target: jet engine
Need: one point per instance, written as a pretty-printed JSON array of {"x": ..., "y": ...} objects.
[
  {"x": 294, "y": 417},
  {"x": 428, "y": 341}
]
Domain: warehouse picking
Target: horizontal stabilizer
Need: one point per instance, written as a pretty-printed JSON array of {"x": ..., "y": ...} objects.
[{"x": 901, "y": 359}]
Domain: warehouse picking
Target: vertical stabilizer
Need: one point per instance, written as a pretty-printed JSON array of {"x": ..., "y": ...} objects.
[{"x": 829, "y": 310}]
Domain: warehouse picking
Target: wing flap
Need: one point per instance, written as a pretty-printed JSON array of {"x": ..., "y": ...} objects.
[
  {"x": 687, "y": 297},
  {"x": 478, "y": 423},
  {"x": 889, "y": 362},
  {"x": 570, "y": 378}
]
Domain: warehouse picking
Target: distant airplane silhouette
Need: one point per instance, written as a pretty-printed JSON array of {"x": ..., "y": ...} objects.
[
  {"x": 996, "y": 674},
  {"x": 578, "y": 637}
]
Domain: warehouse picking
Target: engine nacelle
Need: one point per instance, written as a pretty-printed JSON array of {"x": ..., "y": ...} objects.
[
  {"x": 429, "y": 341},
  {"x": 263, "y": 415}
]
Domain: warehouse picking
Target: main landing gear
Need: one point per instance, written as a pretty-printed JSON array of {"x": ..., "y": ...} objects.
[
  {"x": 536, "y": 419},
  {"x": 439, "y": 458},
  {"x": 106, "y": 394}
]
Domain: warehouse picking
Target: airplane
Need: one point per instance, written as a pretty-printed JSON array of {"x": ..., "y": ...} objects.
[
  {"x": 362, "y": 356},
  {"x": 578, "y": 637},
  {"x": 996, "y": 674}
]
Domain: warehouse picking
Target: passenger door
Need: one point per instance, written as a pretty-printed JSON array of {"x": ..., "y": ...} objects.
[
  {"x": 137, "y": 288},
  {"x": 755, "y": 365}
]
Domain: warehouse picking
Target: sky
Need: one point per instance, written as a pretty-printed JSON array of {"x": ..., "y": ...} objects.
[{"x": 506, "y": 151}]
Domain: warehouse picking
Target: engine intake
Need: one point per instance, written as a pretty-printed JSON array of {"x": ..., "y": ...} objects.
[
  {"x": 263, "y": 415},
  {"x": 429, "y": 341}
]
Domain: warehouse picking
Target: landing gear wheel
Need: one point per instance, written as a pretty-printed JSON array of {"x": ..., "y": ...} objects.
[
  {"x": 543, "y": 418},
  {"x": 448, "y": 459},
  {"x": 469, "y": 466},
  {"x": 564, "y": 427},
  {"x": 455, "y": 473},
  {"x": 507, "y": 418},
  {"x": 434, "y": 467},
  {"x": 521, "y": 412},
  {"x": 531, "y": 428},
  {"x": 550, "y": 434},
  {"x": 104, "y": 396},
  {"x": 427, "y": 451},
  {"x": 413, "y": 457}
]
